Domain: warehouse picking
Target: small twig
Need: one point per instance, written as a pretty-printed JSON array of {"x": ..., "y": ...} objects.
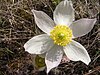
[
  {"x": 95, "y": 69},
  {"x": 2, "y": 39}
]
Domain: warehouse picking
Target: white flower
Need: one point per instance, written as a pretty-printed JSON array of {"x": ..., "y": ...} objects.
[
  {"x": 59, "y": 34},
  {"x": 38, "y": 62}
]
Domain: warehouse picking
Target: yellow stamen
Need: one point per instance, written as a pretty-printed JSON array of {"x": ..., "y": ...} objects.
[{"x": 61, "y": 34}]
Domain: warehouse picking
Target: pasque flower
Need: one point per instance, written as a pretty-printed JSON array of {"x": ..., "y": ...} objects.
[
  {"x": 58, "y": 39},
  {"x": 39, "y": 62}
]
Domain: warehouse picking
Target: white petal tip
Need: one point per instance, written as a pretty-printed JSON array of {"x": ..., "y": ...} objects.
[
  {"x": 47, "y": 71},
  {"x": 76, "y": 52},
  {"x": 33, "y": 10},
  {"x": 95, "y": 19},
  {"x": 82, "y": 27},
  {"x": 87, "y": 63},
  {"x": 24, "y": 46},
  {"x": 64, "y": 13}
]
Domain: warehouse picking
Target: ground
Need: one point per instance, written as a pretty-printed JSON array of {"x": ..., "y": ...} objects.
[{"x": 17, "y": 26}]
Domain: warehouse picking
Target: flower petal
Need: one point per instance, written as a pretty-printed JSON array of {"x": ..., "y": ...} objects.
[
  {"x": 43, "y": 21},
  {"x": 64, "y": 13},
  {"x": 82, "y": 26},
  {"x": 53, "y": 57},
  {"x": 38, "y": 44},
  {"x": 76, "y": 52}
]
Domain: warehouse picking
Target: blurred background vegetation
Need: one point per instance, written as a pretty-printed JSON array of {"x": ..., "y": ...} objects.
[{"x": 17, "y": 26}]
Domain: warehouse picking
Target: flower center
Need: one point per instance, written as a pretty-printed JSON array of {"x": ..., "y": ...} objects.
[
  {"x": 61, "y": 34},
  {"x": 39, "y": 61}
]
